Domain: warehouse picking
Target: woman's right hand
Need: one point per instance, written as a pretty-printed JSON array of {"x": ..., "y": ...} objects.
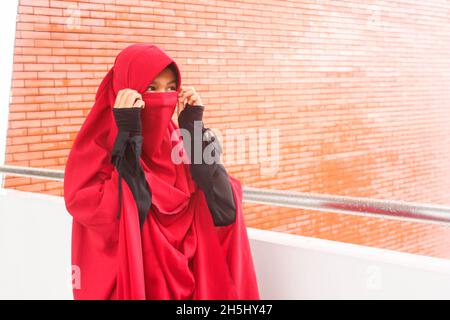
[{"x": 129, "y": 98}]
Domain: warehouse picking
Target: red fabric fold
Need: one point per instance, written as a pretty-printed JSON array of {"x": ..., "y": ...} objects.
[{"x": 179, "y": 253}]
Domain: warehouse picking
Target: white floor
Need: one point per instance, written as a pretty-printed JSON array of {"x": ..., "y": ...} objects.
[{"x": 35, "y": 235}]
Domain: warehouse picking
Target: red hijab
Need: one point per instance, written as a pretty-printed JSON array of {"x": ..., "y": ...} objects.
[{"x": 179, "y": 253}]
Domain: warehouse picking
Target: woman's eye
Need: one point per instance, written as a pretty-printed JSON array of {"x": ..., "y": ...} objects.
[{"x": 151, "y": 88}]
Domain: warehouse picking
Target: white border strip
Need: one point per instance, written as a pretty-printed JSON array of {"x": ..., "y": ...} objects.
[{"x": 8, "y": 16}]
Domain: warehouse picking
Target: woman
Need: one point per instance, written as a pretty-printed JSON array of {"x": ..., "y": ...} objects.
[{"x": 172, "y": 229}]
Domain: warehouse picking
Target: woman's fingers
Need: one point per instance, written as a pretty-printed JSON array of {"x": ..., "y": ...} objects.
[
  {"x": 187, "y": 92},
  {"x": 185, "y": 95},
  {"x": 132, "y": 96},
  {"x": 181, "y": 97},
  {"x": 188, "y": 95},
  {"x": 119, "y": 99},
  {"x": 193, "y": 99},
  {"x": 128, "y": 98},
  {"x": 139, "y": 104}
]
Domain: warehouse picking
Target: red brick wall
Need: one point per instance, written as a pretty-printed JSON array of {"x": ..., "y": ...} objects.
[{"x": 358, "y": 91}]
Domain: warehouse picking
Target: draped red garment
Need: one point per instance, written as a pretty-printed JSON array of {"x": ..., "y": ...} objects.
[{"x": 179, "y": 253}]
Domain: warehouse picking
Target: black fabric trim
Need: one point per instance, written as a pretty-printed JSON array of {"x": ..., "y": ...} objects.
[
  {"x": 126, "y": 155},
  {"x": 128, "y": 119},
  {"x": 212, "y": 178}
]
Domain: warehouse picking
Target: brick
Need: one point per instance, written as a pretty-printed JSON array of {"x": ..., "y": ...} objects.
[
  {"x": 42, "y": 131},
  {"x": 43, "y": 146},
  {"x": 41, "y": 115},
  {"x": 22, "y": 156},
  {"x": 26, "y": 140},
  {"x": 17, "y": 132},
  {"x": 19, "y": 148},
  {"x": 24, "y": 124},
  {"x": 43, "y": 163},
  {"x": 12, "y": 181}
]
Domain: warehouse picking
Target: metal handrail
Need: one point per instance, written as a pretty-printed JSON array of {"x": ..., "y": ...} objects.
[
  {"x": 379, "y": 208},
  {"x": 41, "y": 173}
]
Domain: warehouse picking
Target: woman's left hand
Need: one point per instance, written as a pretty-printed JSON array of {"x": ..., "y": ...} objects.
[{"x": 188, "y": 95}]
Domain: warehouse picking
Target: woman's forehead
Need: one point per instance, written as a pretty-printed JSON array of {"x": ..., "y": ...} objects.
[{"x": 167, "y": 76}]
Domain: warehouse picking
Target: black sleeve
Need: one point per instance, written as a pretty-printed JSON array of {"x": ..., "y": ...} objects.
[
  {"x": 126, "y": 155},
  {"x": 209, "y": 174}
]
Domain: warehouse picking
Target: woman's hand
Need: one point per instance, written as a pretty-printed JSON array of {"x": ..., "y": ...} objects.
[
  {"x": 129, "y": 98},
  {"x": 188, "y": 95}
]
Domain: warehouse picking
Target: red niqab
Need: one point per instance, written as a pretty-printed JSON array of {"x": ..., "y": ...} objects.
[{"x": 178, "y": 253}]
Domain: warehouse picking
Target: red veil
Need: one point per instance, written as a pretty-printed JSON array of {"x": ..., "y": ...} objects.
[{"x": 179, "y": 253}]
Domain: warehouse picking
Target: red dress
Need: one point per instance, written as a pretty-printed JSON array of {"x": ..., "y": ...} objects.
[{"x": 172, "y": 249}]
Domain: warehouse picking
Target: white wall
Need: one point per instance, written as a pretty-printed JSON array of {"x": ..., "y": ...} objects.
[
  {"x": 295, "y": 267},
  {"x": 35, "y": 233}
]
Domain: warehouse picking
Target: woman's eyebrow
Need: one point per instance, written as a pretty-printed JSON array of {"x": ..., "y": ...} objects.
[{"x": 156, "y": 82}]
